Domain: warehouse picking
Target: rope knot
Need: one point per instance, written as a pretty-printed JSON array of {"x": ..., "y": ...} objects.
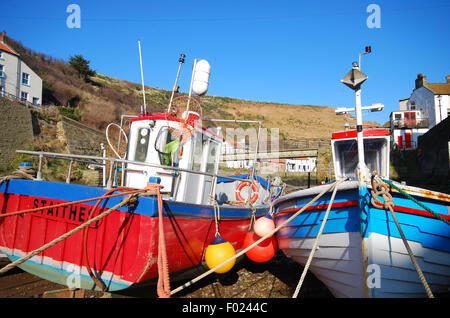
[{"x": 379, "y": 188}]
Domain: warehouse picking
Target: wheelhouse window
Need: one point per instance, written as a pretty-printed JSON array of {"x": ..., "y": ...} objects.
[
  {"x": 374, "y": 152},
  {"x": 142, "y": 144},
  {"x": 212, "y": 157},
  {"x": 198, "y": 151},
  {"x": 167, "y": 144}
]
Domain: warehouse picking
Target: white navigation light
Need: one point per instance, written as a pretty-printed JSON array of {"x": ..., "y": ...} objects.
[{"x": 201, "y": 77}]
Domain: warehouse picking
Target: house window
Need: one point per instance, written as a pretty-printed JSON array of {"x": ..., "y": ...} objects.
[
  {"x": 2, "y": 91},
  {"x": 26, "y": 79},
  {"x": 24, "y": 96},
  {"x": 36, "y": 101},
  {"x": 1, "y": 55},
  {"x": 2, "y": 71}
]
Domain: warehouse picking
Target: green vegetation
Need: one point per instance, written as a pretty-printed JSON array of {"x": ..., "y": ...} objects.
[
  {"x": 71, "y": 112},
  {"x": 79, "y": 63}
]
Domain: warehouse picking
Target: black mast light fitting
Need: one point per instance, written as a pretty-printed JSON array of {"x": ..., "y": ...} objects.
[{"x": 182, "y": 56}]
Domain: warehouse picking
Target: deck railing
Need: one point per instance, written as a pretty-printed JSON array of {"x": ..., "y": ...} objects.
[
  {"x": 418, "y": 123},
  {"x": 101, "y": 161},
  {"x": 19, "y": 100}
]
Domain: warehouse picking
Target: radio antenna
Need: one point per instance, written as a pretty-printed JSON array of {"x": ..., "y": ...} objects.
[
  {"x": 142, "y": 77},
  {"x": 181, "y": 60}
]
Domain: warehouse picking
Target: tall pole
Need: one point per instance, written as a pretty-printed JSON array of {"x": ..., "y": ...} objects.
[
  {"x": 142, "y": 77},
  {"x": 181, "y": 60},
  {"x": 359, "y": 127}
]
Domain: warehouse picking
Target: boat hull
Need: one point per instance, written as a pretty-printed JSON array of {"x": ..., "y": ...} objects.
[
  {"x": 361, "y": 253},
  {"x": 122, "y": 248}
]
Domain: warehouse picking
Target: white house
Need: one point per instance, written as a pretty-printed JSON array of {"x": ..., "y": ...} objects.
[
  {"x": 301, "y": 164},
  {"x": 427, "y": 106},
  {"x": 432, "y": 98},
  {"x": 17, "y": 79},
  {"x": 406, "y": 127}
]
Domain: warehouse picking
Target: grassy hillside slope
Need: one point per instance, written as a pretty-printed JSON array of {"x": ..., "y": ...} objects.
[{"x": 102, "y": 99}]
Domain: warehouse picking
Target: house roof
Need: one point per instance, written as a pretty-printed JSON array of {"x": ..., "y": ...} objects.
[
  {"x": 5, "y": 48},
  {"x": 439, "y": 88}
]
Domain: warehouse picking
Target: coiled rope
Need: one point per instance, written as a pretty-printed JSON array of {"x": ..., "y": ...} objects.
[
  {"x": 23, "y": 172},
  {"x": 381, "y": 188}
]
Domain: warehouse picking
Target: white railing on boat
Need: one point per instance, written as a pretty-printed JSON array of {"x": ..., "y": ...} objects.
[{"x": 102, "y": 162}]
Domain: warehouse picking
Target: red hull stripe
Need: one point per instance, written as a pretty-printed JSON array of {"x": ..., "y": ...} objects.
[
  {"x": 319, "y": 207},
  {"x": 405, "y": 209},
  {"x": 337, "y": 205}
]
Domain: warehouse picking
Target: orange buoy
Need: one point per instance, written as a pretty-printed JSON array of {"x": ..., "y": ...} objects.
[
  {"x": 243, "y": 184},
  {"x": 218, "y": 252},
  {"x": 264, "y": 225},
  {"x": 264, "y": 251}
]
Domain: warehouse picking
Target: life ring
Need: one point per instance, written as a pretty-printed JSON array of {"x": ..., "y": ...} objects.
[{"x": 246, "y": 184}]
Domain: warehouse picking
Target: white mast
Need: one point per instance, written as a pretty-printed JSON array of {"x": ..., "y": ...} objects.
[{"x": 142, "y": 77}]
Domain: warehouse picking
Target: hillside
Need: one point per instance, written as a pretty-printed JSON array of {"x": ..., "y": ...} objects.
[{"x": 102, "y": 99}]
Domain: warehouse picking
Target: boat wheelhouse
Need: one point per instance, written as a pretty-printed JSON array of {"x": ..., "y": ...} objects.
[{"x": 345, "y": 152}]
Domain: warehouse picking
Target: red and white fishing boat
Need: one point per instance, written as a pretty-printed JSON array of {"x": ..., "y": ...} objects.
[{"x": 172, "y": 156}]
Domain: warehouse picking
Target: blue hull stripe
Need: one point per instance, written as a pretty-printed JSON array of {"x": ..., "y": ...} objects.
[
  {"x": 430, "y": 232},
  {"x": 147, "y": 205}
]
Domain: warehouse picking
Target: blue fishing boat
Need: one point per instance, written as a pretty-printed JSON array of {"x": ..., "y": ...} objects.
[{"x": 371, "y": 237}]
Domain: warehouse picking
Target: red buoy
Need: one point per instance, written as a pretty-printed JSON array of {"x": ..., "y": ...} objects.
[{"x": 264, "y": 251}]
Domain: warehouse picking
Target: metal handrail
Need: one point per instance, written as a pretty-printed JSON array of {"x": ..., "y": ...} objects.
[
  {"x": 83, "y": 158},
  {"x": 404, "y": 123}
]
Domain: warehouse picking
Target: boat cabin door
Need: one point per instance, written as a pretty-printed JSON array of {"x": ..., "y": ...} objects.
[
  {"x": 204, "y": 155},
  {"x": 150, "y": 142}
]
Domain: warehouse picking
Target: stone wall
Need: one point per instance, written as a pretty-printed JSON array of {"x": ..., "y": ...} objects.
[
  {"x": 433, "y": 156},
  {"x": 16, "y": 130},
  {"x": 325, "y": 168},
  {"x": 80, "y": 139}
]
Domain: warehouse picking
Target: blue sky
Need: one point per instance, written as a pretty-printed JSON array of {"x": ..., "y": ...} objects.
[{"x": 293, "y": 52}]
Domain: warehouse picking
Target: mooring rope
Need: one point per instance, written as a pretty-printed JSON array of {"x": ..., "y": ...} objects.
[
  {"x": 436, "y": 215},
  {"x": 380, "y": 188},
  {"x": 316, "y": 242},
  {"x": 97, "y": 280},
  {"x": 196, "y": 279},
  {"x": 163, "y": 286},
  {"x": 66, "y": 235},
  {"x": 70, "y": 203}
]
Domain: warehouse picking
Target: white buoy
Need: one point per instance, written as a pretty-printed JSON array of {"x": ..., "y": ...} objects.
[{"x": 201, "y": 77}]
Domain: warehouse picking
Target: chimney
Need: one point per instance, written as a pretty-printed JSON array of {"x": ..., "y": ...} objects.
[
  {"x": 2, "y": 38},
  {"x": 420, "y": 80},
  {"x": 448, "y": 78}
]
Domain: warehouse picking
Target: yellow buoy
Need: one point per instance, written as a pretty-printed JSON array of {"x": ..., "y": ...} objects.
[{"x": 218, "y": 252}]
